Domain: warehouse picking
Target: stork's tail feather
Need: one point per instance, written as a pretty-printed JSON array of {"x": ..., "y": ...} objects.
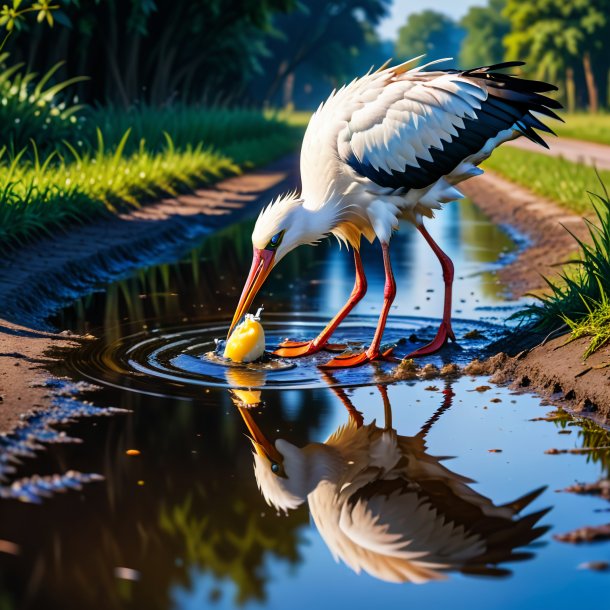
[{"x": 517, "y": 97}]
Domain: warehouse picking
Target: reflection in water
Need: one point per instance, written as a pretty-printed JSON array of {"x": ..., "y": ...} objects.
[{"x": 384, "y": 506}]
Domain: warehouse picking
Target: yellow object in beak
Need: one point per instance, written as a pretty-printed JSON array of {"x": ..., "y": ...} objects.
[{"x": 247, "y": 341}]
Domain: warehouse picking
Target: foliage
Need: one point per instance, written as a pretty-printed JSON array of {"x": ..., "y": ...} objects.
[
  {"x": 557, "y": 37},
  {"x": 553, "y": 177},
  {"x": 431, "y": 33},
  {"x": 585, "y": 126},
  {"x": 581, "y": 299},
  {"x": 155, "y": 50},
  {"x": 322, "y": 40},
  {"x": 485, "y": 28},
  {"x": 13, "y": 17},
  {"x": 32, "y": 108}
]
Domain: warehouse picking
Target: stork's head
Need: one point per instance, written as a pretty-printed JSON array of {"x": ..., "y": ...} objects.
[
  {"x": 282, "y": 226},
  {"x": 280, "y": 468}
]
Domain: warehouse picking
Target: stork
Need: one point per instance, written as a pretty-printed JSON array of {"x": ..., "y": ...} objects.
[
  {"x": 392, "y": 145},
  {"x": 384, "y": 505}
]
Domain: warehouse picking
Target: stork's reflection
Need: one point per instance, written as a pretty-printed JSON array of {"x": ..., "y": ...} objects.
[{"x": 385, "y": 506}]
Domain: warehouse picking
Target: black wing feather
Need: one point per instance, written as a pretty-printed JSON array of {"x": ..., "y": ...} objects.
[{"x": 511, "y": 101}]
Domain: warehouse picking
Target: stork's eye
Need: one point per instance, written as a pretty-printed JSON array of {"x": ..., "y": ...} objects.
[
  {"x": 275, "y": 468},
  {"x": 275, "y": 241}
]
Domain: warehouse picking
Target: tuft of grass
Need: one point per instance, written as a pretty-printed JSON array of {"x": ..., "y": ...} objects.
[
  {"x": 585, "y": 126},
  {"x": 581, "y": 297},
  {"x": 596, "y": 324},
  {"x": 552, "y": 177},
  {"x": 35, "y": 108}
]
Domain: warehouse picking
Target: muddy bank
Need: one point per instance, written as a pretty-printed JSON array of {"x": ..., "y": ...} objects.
[
  {"x": 555, "y": 369},
  {"x": 39, "y": 278}
]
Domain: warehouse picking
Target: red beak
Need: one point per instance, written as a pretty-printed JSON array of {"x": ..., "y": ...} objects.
[{"x": 262, "y": 263}]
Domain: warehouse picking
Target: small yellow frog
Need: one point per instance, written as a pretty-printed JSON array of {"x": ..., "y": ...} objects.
[{"x": 247, "y": 342}]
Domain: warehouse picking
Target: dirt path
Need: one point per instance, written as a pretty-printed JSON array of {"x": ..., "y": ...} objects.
[
  {"x": 555, "y": 369},
  {"x": 578, "y": 151},
  {"x": 542, "y": 222},
  {"x": 39, "y": 278}
]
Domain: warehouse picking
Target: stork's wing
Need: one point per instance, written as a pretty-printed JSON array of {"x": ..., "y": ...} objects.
[{"x": 407, "y": 129}]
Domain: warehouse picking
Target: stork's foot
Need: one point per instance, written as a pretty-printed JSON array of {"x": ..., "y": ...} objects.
[
  {"x": 352, "y": 360},
  {"x": 298, "y": 349},
  {"x": 445, "y": 332}
]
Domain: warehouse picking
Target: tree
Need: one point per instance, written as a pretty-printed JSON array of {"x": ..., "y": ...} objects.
[
  {"x": 155, "y": 50},
  {"x": 557, "y": 36},
  {"x": 485, "y": 28},
  {"x": 429, "y": 33},
  {"x": 320, "y": 40}
]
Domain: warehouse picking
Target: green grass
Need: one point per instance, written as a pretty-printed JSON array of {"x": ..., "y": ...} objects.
[
  {"x": 585, "y": 126},
  {"x": 62, "y": 163},
  {"x": 86, "y": 181},
  {"x": 581, "y": 297},
  {"x": 555, "y": 178}
]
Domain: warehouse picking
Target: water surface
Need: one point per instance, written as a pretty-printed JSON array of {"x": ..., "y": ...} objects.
[{"x": 183, "y": 524}]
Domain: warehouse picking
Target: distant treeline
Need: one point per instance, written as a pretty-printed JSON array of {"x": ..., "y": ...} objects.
[
  {"x": 292, "y": 52},
  {"x": 566, "y": 42}
]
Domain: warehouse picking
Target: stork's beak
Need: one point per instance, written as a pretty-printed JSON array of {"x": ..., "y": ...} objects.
[
  {"x": 261, "y": 444},
  {"x": 262, "y": 263}
]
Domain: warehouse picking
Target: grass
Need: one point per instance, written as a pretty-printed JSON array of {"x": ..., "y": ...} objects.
[
  {"x": 40, "y": 197},
  {"x": 581, "y": 297},
  {"x": 585, "y": 126},
  {"x": 551, "y": 177},
  {"x": 62, "y": 163}
]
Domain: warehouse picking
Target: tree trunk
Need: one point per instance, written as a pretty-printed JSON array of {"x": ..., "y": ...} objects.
[
  {"x": 289, "y": 91},
  {"x": 590, "y": 80},
  {"x": 570, "y": 91}
]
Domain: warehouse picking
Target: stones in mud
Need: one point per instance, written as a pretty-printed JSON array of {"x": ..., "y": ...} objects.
[
  {"x": 591, "y": 533},
  {"x": 409, "y": 370},
  {"x": 601, "y": 488}
]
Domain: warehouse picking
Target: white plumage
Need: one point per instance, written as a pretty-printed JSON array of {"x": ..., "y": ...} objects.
[{"x": 392, "y": 145}]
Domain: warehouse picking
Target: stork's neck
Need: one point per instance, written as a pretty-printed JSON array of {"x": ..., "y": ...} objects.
[{"x": 309, "y": 224}]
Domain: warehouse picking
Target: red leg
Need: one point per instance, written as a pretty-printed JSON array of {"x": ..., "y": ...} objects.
[
  {"x": 445, "y": 332},
  {"x": 294, "y": 349},
  {"x": 372, "y": 353}
]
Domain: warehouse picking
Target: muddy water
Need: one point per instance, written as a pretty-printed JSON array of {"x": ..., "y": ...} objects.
[{"x": 181, "y": 523}]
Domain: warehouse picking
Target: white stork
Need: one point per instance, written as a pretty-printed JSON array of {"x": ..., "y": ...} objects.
[
  {"x": 385, "y": 506},
  {"x": 392, "y": 145}
]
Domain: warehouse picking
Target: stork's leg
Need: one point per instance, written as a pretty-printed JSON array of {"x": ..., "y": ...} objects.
[
  {"x": 372, "y": 353},
  {"x": 294, "y": 349},
  {"x": 445, "y": 332}
]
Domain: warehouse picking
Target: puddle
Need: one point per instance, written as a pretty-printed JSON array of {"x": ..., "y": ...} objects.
[
  {"x": 179, "y": 521},
  {"x": 175, "y": 362}
]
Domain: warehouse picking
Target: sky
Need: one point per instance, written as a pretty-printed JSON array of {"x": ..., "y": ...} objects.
[{"x": 401, "y": 9}]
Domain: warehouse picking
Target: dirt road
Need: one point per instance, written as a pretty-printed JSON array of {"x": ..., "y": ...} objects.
[{"x": 577, "y": 151}]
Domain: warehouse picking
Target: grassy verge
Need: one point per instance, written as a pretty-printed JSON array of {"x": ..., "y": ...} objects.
[
  {"x": 581, "y": 298},
  {"x": 62, "y": 162},
  {"x": 585, "y": 126},
  {"x": 554, "y": 178},
  {"x": 133, "y": 158}
]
